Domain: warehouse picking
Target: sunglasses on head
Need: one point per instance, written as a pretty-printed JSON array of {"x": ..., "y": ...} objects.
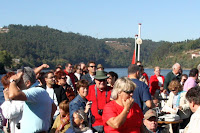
[{"x": 128, "y": 92}]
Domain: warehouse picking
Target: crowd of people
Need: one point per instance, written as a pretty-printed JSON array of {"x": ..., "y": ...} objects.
[{"x": 85, "y": 99}]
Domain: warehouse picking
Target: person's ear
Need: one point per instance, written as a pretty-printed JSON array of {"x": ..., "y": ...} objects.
[
  {"x": 28, "y": 83},
  {"x": 82, "y": 121}
]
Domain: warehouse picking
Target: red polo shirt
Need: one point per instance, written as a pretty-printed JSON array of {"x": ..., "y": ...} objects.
[{"x": 102, "y": 100}]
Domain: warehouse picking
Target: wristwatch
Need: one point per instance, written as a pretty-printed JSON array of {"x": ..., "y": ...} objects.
[{"x": 12, "y": 80}]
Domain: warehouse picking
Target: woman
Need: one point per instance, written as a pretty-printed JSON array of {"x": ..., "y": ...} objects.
[
  {"x": 156, "y": 81},
  {"x": 61, "y": 124},
  {"x": 112, "y": 77},
  {"x": 61, "y": 80},
  {"x": 122, "y": 114},
  {"x": 80, "y": 123},
  {"x": 80, "y": 101},
  {"x": 11, "y": 110},
  {"x": 77, "y": 72},
  {"x": 177, "y": 102}
]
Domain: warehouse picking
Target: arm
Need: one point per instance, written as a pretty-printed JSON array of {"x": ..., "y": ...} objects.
[
  {"x": 149, "y": 104},
  {"x": 116, "y": 122},
  {"x": 40, "y": 68},
  {"x": 15, "y": 93}
]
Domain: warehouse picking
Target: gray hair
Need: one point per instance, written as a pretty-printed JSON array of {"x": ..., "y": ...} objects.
[
  {"x": 122, "y": 84},
  {"x": 82, "y": 116},
  {"x": 28, "y": 74},
  {"x": 175, "y": 65}
]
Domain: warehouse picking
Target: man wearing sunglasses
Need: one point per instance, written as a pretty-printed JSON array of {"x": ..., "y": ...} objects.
[
  {"x": 91, "y": 66},
  {"x": 141, "y": 94},
  {"x": 99, "y": 94}
]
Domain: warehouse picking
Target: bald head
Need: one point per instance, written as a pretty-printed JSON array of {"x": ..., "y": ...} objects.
[{"x": 176, "y": 68}]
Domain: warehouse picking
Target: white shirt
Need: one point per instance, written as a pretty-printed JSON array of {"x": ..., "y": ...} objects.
[
  {"x": 160, "y": 81},
  {"x": 194, "y": 125},
  {"x": 13, "y": 110},
  {"x": 78, "y": 75},
  {"x": 52, "y": 95},
  {"x": 92, "y": 77}
]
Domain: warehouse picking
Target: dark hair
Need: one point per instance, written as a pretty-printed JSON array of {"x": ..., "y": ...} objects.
[
  {"x": 81, "y": 83},
  {"x": 64, "y": 105},
  {"x": 68, "y": 64},
  {"x": 113, "y": 74},
  {"x": 46, "y": 74},
  {"x": 193, "y": 72},
  {"x": 90, "y": 62},
  {"x": 5, "y": 79},
  {"x": 184, "y": 75},
  {"x": 133, "y": 69},
  {"x": 193, "y": 95}
]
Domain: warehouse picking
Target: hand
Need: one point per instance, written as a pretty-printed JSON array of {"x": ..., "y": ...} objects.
[
  {"x": 180, "y": 108},
  {"x": 17, "y": 77},
  {"x": 128, "y": 103},
  {"x": 45, "y": 66},
  {"x": 88, "y": 106}
]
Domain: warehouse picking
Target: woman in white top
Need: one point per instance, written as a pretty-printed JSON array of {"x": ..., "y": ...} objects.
[
  {"x": 177, "y": 102},
  {"x": 11, "y": 110}
]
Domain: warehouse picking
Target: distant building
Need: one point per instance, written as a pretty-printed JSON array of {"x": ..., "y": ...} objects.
[
  {"x": 4, "y": 30},
  {"x": 195, "y": 55}
]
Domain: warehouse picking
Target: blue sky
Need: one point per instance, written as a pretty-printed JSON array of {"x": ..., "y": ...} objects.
[{"x": 169, "y": 20}]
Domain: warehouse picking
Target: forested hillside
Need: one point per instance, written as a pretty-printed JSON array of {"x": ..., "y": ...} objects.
[{"x": 34, "y": 45}]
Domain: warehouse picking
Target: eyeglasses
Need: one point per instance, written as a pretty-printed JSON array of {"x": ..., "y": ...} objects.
[
  {"x": 173, "y": 90},
  {"x": 51, "y": 77},
  {"x": 128, "y": 92},
  {"x": 92, "y": 66},
  {"x": 63, "y": 78},
  {"x": 101, "y": 80}
]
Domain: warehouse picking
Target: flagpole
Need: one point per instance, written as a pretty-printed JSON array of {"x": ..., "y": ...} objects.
[{"x": 139, "y": 36}]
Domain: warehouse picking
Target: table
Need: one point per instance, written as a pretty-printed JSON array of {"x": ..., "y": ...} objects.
[{"x": 170, "y": 124}]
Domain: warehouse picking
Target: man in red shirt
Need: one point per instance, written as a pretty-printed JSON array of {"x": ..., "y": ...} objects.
[
  {"x": 69, "y": 71},
  {"x": 99, "y": 94}
]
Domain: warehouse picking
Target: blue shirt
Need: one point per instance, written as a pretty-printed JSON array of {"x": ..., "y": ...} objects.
[
  {"x": 78, "y": 103},
  {"x": 37, "y": 111},
  {"x": 141, "y": 93}
]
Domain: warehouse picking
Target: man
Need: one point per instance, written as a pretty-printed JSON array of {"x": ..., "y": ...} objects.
[
  {"x": 150, "y": 122},
  {"x": 194, "y": 100},
  {"x": 70, "y": 75},
  {"x": 91, "y": 73},
  {"x": 56, "y": 92},
  {"x": 174, "y": 74},
  {"x": 191, "y": 81},
  {"x": 100, "y": 67},
  {"x": 99, "y": 94},
  {"x": 38, "y": 107},
  {"x": 139, "y": 63},
  {"x": 141, "y": 93}
]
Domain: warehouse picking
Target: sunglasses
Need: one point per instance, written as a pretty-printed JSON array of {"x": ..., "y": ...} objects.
[
  {"x": 128, "y": 92},
  {"x": 93, "y": 66},
  {"x": 101, "y": 80},
  {"x": 63, "y": 78},
  {"x": 173, "y": 90}
]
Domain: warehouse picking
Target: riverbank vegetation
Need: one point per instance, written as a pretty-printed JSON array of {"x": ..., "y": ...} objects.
[{"x": 34, "y": 45}]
